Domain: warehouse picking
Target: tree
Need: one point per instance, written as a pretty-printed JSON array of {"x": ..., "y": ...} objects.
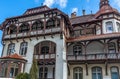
[
  {"x": 23, "y": 76},
  {"x": 34, "y": 69}
]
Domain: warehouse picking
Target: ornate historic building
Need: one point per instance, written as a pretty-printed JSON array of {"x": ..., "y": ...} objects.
[{"x": 76, "y": 47}]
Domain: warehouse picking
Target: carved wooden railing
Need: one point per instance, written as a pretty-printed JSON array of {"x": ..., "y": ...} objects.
[{"x": 101, "y": 56}]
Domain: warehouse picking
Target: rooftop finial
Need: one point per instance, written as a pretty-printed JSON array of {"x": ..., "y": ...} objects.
[{"x": 104, "y": 2}]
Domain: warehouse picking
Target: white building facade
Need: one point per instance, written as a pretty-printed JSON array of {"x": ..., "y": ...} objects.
[{"x": 80, "y": 47}]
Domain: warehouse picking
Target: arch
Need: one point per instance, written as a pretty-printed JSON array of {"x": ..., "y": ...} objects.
[
  {"x": 95, "y": 47},
  {"x": 37, "y": 25},
  {"x": 12, "y": 29},
  {"x": 96, "y": 72},
  {"x": 45, "y": 47},
  {"x": 52, "y": 23},
  {"x": 77, "y": 73},
  {"x": 24, "y": 28}
]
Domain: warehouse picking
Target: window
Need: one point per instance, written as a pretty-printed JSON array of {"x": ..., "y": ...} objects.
[
  {"x": 118, "y": 26},
  {"x": 13, "y": 70},
  {"x": 111, "y": 47},
  {"x": 43, "y": 71},
  {"x": 77, "y": 50},
  {"x": 45, "y": 50},
  {"x": 96, "y": 73},
  {"x": 109, "y": 27},
  {"x": 11, "y": 49},
  {"x": 78, "y": 73},
  {"x": 38, "y": 25},
  {"x": 23, "y": 48},
  {"x": 114, "y": 73},
  {"x": 24, "y": 28}
]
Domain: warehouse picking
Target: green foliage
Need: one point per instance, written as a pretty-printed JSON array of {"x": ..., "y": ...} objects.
[
  {"x": 34, "y": 69},
  {"x": 23, "y": 76}
]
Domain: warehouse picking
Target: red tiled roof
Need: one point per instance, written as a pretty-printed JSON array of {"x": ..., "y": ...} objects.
[
  {"x": 14, "y": 56},
  {"x": 93, "y": 37}
]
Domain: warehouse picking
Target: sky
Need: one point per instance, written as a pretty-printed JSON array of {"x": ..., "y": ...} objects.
[{"x": 10, "y": 8}]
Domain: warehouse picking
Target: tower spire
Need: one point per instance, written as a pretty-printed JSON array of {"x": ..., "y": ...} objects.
[{"x": 103, "y": 3}]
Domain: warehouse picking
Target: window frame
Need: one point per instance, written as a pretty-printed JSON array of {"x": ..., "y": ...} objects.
[
  {"x": 96, "y": 73},
  {"x": 23, "y": 48},
  {"x": 24, "y": 28},
  {"x": 117, "y": 71},
  {"x": 37, "y": 25},
  {"x": 78, "y": 73},
  {"x": 110, "y": 48},
  {"x": 109, "y": 27},
  {"x": 41, "y": 72},
  {"x": 78, "y": 51},
  {"x": 11, "y": 48}
]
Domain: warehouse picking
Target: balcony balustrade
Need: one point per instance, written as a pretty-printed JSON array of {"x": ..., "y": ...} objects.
[{"x": 101, "y": 56}]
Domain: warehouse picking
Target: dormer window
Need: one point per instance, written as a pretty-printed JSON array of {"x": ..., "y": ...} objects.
[{"x": 109, "y": 27}]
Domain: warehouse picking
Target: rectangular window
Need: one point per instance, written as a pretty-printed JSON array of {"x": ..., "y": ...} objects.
[{"x": 11, "y": 49}]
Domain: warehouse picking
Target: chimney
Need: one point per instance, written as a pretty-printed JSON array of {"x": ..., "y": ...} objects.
[
  {"x": 83, "y": 11},
  {"x": 74, "y": 14}
]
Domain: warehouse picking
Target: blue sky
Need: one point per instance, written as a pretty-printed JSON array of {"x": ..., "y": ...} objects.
[{"x": 10, "y": 8}]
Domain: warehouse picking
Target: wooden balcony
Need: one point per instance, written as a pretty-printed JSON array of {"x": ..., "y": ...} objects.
[
  {"x": 32, "y": 33},
  {"x": 93, "y": 58}
]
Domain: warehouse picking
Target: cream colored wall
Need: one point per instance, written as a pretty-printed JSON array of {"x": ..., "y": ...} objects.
[{"x": 90, "y": 66}]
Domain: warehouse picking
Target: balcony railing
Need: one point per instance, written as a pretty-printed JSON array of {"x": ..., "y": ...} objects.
[
  {"x": 47, "y": 56},
  {"x": 32, "y": 33},
  {"x": 101, "y": 56}
]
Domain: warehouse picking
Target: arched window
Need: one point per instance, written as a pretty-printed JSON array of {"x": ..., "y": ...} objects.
[
  {"x": 43, "y": 72},
  {"x": 12, "y": 29},
  {"x": 14, "y": 70},
  {"x": 52, "y": 23},
  {"x": 38, "y": 25},
  {"x": 96, "y": 73},
  {"x": 45, "y": 50},
  {"x": 114, "y": 73},
  {"x": 11, "y": 49},
  {"x": 111, "y": 47},
  {"x": 118, "y": 26},
  {"x": 23, "y": 48},
  {"x": 77, "y": 49},
  {"x": 24, "y": 28},
  {"x": 109, "y": 27},
  {"x": 78, "y": 73}
]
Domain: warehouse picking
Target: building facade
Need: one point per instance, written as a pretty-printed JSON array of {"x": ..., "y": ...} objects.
[{"x": 76, "y": 47}]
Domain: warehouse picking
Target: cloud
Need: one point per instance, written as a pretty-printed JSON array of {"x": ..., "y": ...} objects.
[
  {"x": 49, "y": 3},
  {"x": 117, "y": 2},
  {"x": 61, "y": 3},
  {"x": 75, "y": 10}
]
